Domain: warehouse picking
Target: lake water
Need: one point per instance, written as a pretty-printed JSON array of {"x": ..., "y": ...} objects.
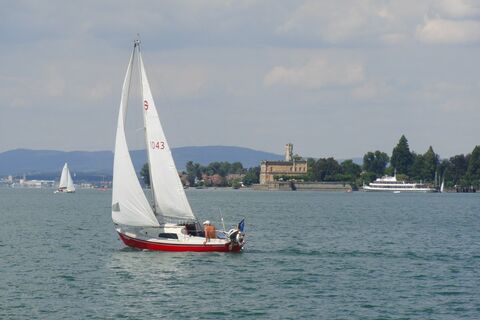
[{"x": 314, "y": 255}]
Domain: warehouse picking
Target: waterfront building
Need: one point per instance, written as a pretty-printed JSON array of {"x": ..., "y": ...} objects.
[{"x": 290, "y": 167}]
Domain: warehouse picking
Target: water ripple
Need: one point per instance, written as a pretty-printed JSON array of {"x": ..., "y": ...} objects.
[{"x": 309, "y": 256}]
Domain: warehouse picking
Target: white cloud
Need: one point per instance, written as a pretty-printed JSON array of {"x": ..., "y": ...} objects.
[
  {"x": 180, "y": 81},
  {"x": 329, "y": 21},
  {"x": 369, "y": 90},
  {"x": 99, "y": 90},
  {"x": 317, "y": 73},
  {"x": 54, "y": 82},
  {"x": 353, "y": 21},
  {"x": 457, "y": 8},
  {"x": 451, "y": 97},
  {"x": 221, "y": 60},
  {"x": 394, "y": 38},
  {"x": 442, "y": 31},
  {"x": 391, "y": 22}
]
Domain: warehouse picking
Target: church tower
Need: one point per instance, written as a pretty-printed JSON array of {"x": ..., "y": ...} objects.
[{"x": 288, "y": 152}]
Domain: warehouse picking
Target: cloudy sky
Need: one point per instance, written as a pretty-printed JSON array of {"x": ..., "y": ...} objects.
[{"x": 336, "y": 78}]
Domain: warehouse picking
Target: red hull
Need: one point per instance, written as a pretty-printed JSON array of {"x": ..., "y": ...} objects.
[{"x": 142, "y": 244}]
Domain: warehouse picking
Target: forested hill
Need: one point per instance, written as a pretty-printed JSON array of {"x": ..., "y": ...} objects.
[{"x": 19, "y": 161}]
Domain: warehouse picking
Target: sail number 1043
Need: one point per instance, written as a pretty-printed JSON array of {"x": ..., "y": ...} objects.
[{"x": 160, "y": 145}]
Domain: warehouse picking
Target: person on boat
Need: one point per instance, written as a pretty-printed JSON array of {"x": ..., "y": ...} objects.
[{"x": 210, "y": 232}]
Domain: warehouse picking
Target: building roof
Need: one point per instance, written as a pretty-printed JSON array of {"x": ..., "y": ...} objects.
[{"x": 283, "y": 163}]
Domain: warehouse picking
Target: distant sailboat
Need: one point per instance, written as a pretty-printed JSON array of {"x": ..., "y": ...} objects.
[
  {"x": 66, "y": 182},
  {"x": 442, "y": 185},
  {"x": 168, "y": 224}
]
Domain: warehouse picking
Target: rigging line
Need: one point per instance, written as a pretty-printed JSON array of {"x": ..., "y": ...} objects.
[
  {"x": 221, "y": 216},
  {"x": 129, "y": 84},
  {"x": 142, "y": 71}
]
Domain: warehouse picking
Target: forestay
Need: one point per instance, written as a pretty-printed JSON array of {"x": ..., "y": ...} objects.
[{"x": 129, "y": 204}]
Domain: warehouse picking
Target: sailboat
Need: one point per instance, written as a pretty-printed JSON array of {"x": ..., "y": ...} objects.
[
  {"x": 168, "y": 223},
  {"x": 66, "y": 182}
]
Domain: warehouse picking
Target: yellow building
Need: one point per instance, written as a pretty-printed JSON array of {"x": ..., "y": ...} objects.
[{"x": 289, "y": 167}]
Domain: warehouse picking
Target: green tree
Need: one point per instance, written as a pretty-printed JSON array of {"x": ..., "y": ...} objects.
[
  {"x": 235, "y": 183},
  {"x": 236, "y": 167},
  {"x": 334, "y": 170},
  {"x": 417, "y": 168},
  {"x": 297, "y": 157},
  {"x": 221, "y": 168},
  {"x": 326, "y": 169},
  {"x": 473, "y": 170},
  {"x": 458, "y": 169},
  {"x": 316, "y": 170},
  {"x": 402, "y": 158},
  {"x": 252, "y": 176},
  {"x": 430, "y": 165},
  {"x": 311, "y": 163},
  {"x": 145, "y": 174},
  {"x": 443, "y": 167},
  {"x": 350, "y": 170},
  {"x": 193, "y": 172},
  {"x": 368, "y": 177},
  {"x": 375, "y": 162}
]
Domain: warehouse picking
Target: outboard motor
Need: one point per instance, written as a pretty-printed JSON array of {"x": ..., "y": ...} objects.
[{"x": 236, "y": 236}]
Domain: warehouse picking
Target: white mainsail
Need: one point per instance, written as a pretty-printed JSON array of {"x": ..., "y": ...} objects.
[
  {"x": 64, "y": 177},
  {"x": 170, "y": 201},
  {"x": 129, "y": 204}
]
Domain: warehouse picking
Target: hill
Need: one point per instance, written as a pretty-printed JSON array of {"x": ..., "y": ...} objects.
[{"x": 20, "y": 161}]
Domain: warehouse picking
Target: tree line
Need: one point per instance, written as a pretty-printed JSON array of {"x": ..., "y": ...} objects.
[
  {"x": 223, "y": 170},
  {"x": 459, "y": 170},
  {"x": 219, "y": 174}
]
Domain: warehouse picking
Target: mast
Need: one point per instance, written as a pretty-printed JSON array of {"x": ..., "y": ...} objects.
[{"x": 154, "y": 201}]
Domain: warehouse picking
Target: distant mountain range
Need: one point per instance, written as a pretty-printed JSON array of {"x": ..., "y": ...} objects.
[{"x": 25, "y": 161}]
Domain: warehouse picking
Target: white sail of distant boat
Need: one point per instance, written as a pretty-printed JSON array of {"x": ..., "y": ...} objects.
[
  {"x": 66, "y": 182},
  {"x": 169, "y": 223},
  {"x": 442, "y": 185}
]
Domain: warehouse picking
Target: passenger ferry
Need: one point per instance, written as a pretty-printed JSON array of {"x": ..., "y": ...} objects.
[{"x": 391, "y": 184}]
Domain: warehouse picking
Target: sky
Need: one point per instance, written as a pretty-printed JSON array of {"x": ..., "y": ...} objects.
[{"x": 335, "y": 78}]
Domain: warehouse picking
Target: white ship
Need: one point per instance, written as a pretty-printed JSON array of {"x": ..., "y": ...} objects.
[{"x": 391, "y": 184}]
